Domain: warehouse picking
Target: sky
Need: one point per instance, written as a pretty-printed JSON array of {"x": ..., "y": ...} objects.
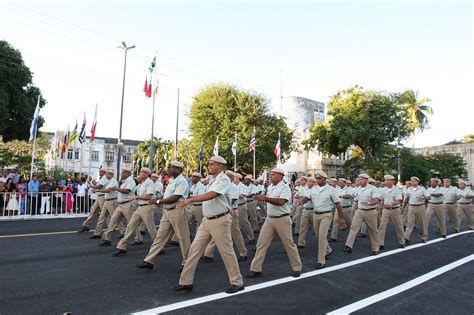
[{"x": 316, "y": 47}]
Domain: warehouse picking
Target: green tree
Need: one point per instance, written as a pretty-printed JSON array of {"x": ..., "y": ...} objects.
[
  {"x": 220, "y": 110},
  {"x": 366, "y": 120},
  {"x": 417, "y": 109},
  {"x": 468, "y": 138},
  {"x": 448, "y": 165},
  {"x": 18, "y": 95}
]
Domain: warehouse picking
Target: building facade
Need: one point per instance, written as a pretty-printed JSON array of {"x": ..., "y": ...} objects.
[{"x": 464, "y": 150}]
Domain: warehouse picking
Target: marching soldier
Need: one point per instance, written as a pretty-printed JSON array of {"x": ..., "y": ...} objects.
[
  {"x": 99, "y": 202},
  {"x": 261, "y": 204},
  {"x": 345, "y": 197},
  {"x": 197, "y": 189},
  {"x": 465, "y": 196},
  {"x": 450, "y": 203},
  {"x": 368, "y": 199},
  {"x": 300, "y": 193},
  {"x": 325, "y": 199},
  {"x": 415, "y": 199},
  {"x": 278, "y": 221},
  {"x": 307, "y": 215},
  {"x": 157, "y": 195},
  {"x": 390, "y": 201},
  {"x": 405, "y": 207},
  {"x": 174, "y": 218},
  {"x": 144, "y": 212},
  {"x": 242, "y": 210},
  {"x": 251, "y": 205},
  {"x": 435, "y": 205},
  {"x": 216, "y": 224}
]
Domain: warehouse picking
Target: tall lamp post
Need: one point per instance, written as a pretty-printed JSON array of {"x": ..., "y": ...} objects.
[{"x": 119, "y": 141}]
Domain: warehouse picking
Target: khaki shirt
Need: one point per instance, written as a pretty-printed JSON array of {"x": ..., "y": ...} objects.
[
  {"x": 197, "y": 190},
  {"x": 437, "y": 190},
  {"x": 102, "y": 181},
  {"x": 414, "y": 193},
  {"x": 220, "y": 184},
  {"x": 251, "y": 190},
  {"x": 366, "y": 194},
  {"x": 113, "y": 194},
  {"x": 449, "y": 194},
  {"x": 177, "y": 186},
  {"x": 130, "y": 184},
  {"x": 324, "y": 198},
  {"x": 158, "y": 190},
  {"x": 309, "y": 205},
  {"x": 234, "y": 196},
  {"x": 243, "y": 190},
  {"x": 389, "y": 195},
  {"x": 280, "y": 191},
  {"x": 464, "y": 193},
  {"x": 342, "y": 192},
  {"x": 145, "y": 188}
]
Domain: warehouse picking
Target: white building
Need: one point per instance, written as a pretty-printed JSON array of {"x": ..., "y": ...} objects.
[
  {"x": 300, "y": 114},
  {"x": 89, "y": 157}
]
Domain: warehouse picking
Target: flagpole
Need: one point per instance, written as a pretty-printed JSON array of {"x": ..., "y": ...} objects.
[
  {"x": 177, "y": 122},
  {"x": 82, "y": 155},
  {"x": 200, "y": 160},
  {"x": 150, "y": 162},
  {"x": 255, "y": 149},
  {"x": 90, "y": 158},
  {"x": 33, "y": 156},
  {"x": 235, "y": 155},
  {"x": 35, "y": 132}
]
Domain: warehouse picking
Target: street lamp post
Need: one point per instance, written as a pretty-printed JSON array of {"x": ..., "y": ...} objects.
[{"x": 119, "y": 141}]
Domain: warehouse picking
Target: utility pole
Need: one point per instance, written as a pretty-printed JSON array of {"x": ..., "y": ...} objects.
[
  {"x": 177, "y": 123},
  {"x": 399, "y": 167}
]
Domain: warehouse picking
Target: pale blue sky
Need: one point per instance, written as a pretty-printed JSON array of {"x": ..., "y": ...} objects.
[{"x": 321, "y": 47}]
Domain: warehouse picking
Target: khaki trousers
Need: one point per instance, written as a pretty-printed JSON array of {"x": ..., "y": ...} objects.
[
  {"x": 123, "y": 211},
  {"x": 452, "y": 211},
  {"x": 237, "y": 238},
  {"x": 95, "y": 211},
  {"x": 353, "y": 210},
  {"x": 417, "y": 213},
  {"x": 173, "y": 220},
  {"x": 439, "y": 211},
  {"x": 393, "y": 215},
  {"x": 263, "y": 208},
  {"x": 346, "y": 215},
  {"x": 306, "y": 222},
  {"x": 143, "y": 215},
  {"x": 370, "y": 218},
  {"x": 467, "y": 210},
  {"x": 220, "y": 231},
  {"x": 282, "y": 227},
  {"x": 196, "y": 212},
  {"x": 252, "y": 213},
  {"x": 244, "y": 222},
  {"x": 297, "y": 217},
  {"x": 321, "y": 223},
  {"x": 404, "y": 215},
  {"x": 158, "y": 211},
  {"x": 106, "y": 213}
]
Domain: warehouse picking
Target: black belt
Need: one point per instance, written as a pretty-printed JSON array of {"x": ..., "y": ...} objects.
[
  {"x": 397, "y": 207},
  {"x": 347, "y": 206},
  {"x": 464, "y": 203},
  {"x": 241, "y": 204},
  {"x": 250, "y": 200},
  {"x": 143, "y": 205},
  {"x": 278, "y": 216},
  {"x": 218, "y": 216},
  {"x": 99, "y": 195},
  {"x": 322, "y": 212},
  {"x": 436, "y": 203},
  {"x": 449, "y": 203},
  {"x": 308, "y": 208},
  {"x": 197, "y": 204},
  {"x": 110, "y": 199},
  {"x": 368, "y": 209},
  {"x": 123, "y": 202},
  {"x": 417, "y": 205},
  {"x": 169, "y": 209}
]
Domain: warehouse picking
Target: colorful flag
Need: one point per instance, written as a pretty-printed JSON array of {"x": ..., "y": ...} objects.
[
  {"x": 234, "y": 146},
  {"x": 146, "y": 86},
  {"x": 149, "y": 89},
  {"x": 253, "y": 141},
  {"x": 152, "y": 66},
  {"x": 94, "y": 124},
  {"x": 73, "y": 136},
  {"x": 277, "y": 149},
  {"x": 65, "y": 141},
  {"x": 216, "y": 147},
  {"x": 34, "y": 122},
  {"x": 82, "y": 134}
]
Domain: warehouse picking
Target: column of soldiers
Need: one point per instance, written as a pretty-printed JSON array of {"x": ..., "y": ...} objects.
[{"x": 226, "y": 210}]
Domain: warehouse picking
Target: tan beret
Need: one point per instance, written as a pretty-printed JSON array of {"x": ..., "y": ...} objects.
[
  {"x": 177, "y": 164},
  {"x": 126, "y": 168},
  {"x": 363, "y": 175},
  {"x": 321, "y": 174},
  {"x": 110, "y": 171},
  {"x": 229, "y": 173},
  {"x": 303, "y": 178},
  {"x": 446, "y": 180},
  {"x": 333, "y": 179},
  {"x": 388, "y": 177},
  {"x": 196, "y": 174},
  {"x": 154, "y": 175},
  {"x": 102, "y": 169},
  {"x": 348, "y": 181},
  {"x": 218, "y": 159},
  {"x": 238, "y": 175},
  {"x": 462, "y": 182},
  {"x": 341, "y": 179},
  {"x": 415, "y": 178},
  {"x": 145, "y": 170},
  {"x": 248, "y": 177},
  {"x": 278, "y": 170},
  {"x": 371, "y": 180},
  {"x": 311, "y": 179}
]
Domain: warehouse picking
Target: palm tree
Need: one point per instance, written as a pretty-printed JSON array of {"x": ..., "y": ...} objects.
[
  {"x": 468, "y": 138},
  {"x": 418, "y": 111}
]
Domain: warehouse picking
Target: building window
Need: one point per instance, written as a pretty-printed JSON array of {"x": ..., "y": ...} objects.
[
  {"x": 95, "y": 156},
  {"x": 127, "y": 157},
  {"x": 76, "y": 154},
  {"x": 109, "y": 156},
  {"x": 69, "y": 154}
]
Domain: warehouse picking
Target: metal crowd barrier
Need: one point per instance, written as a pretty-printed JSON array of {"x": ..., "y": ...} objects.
[{"x": 14, "y": 206}]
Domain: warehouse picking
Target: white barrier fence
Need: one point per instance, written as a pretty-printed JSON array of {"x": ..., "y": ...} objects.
[{"x": 14, "y": 205}]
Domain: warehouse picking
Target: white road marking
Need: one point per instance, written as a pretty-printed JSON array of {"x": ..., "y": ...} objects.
[
  {"x": 37, "y": 234},
  {"x": 217, "y": 296},
  {"x": 400, "y": 288}
]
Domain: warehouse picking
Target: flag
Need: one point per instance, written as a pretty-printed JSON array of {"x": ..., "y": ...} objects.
[
  {"x": 253, "y": 141},
  {"x": 34, "y": 122},
  {"x": 277, "y": 149},
  {"x": 149, "y": 89},
  {"x": 216, "y": 147},
  {"x": 146, "y": 87},
  {"x": 152, "y": 65},
  {"x": 234, "y": 146},
  {"x": 201, "y": 154},
  {"x": 94, "y": 124},
  {"x": 73, "y": 136},
  {"x": 82, "y": 134},
  {"x": 65, "y": 141}
]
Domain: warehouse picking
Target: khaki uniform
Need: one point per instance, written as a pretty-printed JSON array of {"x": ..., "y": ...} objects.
[
  {"x": 216, "y": 224},
  {"x": 435, "y": 205},
  {"x": 278, "y": 221},
  {"x": 389, "y": 195},
  {"x": 450, "y": 206},
  {"x": 143, "y": 213},
  {"x": 196, "y": 208},
  {"x": 367, "y": 214},
  {"x": 243, "y": 216},
  {"x": 416, "y": 210},
  {"x": 98, "y": 204},
  {"x": 174, "y": 219},
  {"x": 465, "y": 207},
  {"x": 110, "y": 203},
  {"x": 299, "y": 208},
  {"x": 252, "y": 207},
  {"x": 306, "y": 219},
  {"x": 346, "y": 205}
]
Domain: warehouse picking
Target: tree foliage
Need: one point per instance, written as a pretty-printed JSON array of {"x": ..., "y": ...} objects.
[
  {"x": 221, "y": 110},
  {"x": 18, "y": 95},
  {"x": 468, "y": 138}
]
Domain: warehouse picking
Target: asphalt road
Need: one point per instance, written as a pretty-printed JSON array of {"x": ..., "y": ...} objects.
[{"x": 53, "y": 274}]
